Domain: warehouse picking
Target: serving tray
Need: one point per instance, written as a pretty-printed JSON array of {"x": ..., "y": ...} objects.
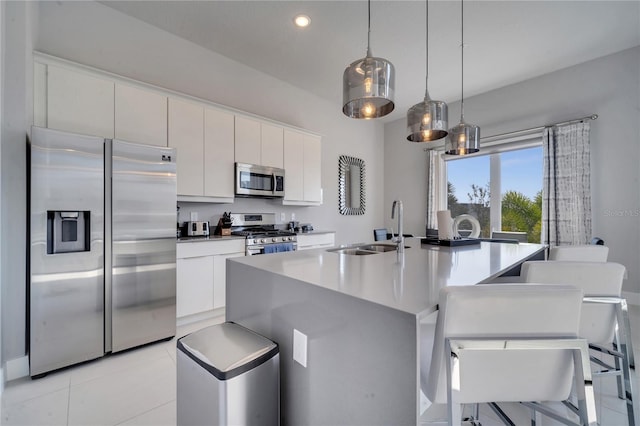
[{"x": 450, "y": 243}]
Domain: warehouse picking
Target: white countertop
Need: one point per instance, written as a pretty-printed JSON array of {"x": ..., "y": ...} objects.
[
  {"x": 314, "y": 232},
  {"x": 409, "y": 283},
  {"x": 209, "y": 238}
]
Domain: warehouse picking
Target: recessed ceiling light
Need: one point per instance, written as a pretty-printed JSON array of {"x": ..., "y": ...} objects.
[{"x": 302, "y": 21}]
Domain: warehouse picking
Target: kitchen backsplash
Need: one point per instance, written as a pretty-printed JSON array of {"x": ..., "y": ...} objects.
[{"x": 212, "y": 212}]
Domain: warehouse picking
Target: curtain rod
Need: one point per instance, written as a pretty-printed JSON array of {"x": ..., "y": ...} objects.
[
  {"x": 517, "y": 132},
  {"x": 526, "y": 131}
]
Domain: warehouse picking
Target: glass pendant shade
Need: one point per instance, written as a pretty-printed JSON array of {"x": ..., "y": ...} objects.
[
  {"x": 368, "y": 88},
  {"x": 463, "y": 139},
  {"x": 427, "y": 121}
]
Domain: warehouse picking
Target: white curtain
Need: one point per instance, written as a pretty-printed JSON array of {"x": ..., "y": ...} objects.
[
  {"x": 566, "y": 190},
  {"x": 435, "y": 187}
]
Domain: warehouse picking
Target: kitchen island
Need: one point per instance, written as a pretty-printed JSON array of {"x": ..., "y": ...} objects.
[{"x": 361, "y": 316}]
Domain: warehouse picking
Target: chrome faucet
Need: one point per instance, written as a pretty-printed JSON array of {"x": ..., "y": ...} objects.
[{"x": 399, "y": 239}]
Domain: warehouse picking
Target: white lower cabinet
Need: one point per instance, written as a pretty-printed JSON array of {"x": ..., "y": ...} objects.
[
  {"x": 201, "y": 274},
  {"x": 220, "y": 278},
  {"x": 194, "y": 292},
  {"x": 312, "y": 241}
]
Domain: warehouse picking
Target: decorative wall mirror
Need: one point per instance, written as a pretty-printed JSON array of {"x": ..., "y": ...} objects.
[{"x": 351, "y": 180}]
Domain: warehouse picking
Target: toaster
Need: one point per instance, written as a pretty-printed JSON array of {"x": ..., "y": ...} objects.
[{"x": 197, "y": 229}]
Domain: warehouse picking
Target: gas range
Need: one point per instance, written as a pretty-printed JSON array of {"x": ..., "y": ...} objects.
[{"x": 261, "y": 235}]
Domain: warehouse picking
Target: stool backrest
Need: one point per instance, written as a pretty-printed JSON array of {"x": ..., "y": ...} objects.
[
  {"x": 596, "y": 279},
  {"x": 506, "y": 311},
  {"x": 585, "y": 253}
]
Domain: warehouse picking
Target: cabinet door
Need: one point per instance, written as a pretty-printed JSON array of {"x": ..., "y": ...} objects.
[
  {"x": 194, "y": 289},
  {"x": 311, "y": 241},
  {"x": 79, "y": 103},
  {"x": 293, "y": 165},
  {"x": 272, "y": 145},
  {"x": 247, "y": 140},
  {"x": 220, "y": 278},
  {"x": 140, "y": 116},
  {"x": 218, "y": 153},
  {"x": 186, "y": 134},
  {"x": 312, "y": 169}
]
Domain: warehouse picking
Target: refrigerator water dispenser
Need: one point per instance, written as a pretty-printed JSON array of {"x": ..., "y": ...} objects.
[{"x": 68, "y": 231}]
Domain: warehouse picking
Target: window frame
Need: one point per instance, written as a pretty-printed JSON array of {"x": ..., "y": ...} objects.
[{"x": 491, "y": 146}]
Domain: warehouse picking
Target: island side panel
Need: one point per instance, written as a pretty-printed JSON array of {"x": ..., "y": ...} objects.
[{"x": 362, "y": 358}]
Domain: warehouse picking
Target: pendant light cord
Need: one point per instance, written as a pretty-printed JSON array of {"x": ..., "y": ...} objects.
[
  {"x": 462, "y": 59},
  {"x": 369, "y": 30},
  {"x": 426, "y": 90}
]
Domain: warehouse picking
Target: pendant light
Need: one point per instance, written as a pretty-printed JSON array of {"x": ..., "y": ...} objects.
[
  {"x": 464, "y": 138},
  {"x": 368, "y": 85},
  {"x": 427, "y": 120}
]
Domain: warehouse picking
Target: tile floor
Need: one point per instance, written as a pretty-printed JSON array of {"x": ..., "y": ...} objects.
[{"x": 138, "y": 387}]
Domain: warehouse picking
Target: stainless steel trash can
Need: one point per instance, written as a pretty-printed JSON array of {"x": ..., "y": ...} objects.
[{"x": 227, "y": 375}]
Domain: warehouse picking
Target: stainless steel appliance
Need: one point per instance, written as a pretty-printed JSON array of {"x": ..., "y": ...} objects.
[
  {"x": 259, "y": 181},
  {"x": 197, "y": 228},
  {"x": 227, "y": 375},
  {"x": 103, "y": 247},
  {"x": 262, "y": 237}
]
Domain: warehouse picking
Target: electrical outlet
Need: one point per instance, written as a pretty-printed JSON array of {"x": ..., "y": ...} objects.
[
  {"x": 283, "y": 217},
  {"x": 194, "y": 216},
  {"x": 293, "y": 216},
  {"x": 300, "y": 348}
]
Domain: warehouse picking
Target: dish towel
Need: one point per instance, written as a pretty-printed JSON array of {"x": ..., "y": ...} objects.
[
  {"x": 278, "y": 248},
  {"x": 284, "y": 247},
  {"x": 271, "y": 248}
]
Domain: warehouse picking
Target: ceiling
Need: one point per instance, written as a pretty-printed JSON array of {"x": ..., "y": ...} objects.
[{"x": 505, "y": 41}]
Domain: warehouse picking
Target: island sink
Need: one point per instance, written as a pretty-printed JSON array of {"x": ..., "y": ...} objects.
[
  {"x": 380, "y": 248},
  {"x": 366, "y": 249},
  {"x": 352, "y": 251}
]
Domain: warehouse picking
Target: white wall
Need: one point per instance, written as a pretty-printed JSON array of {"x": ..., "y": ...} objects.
[
  {"x": 1, "y": 121},
  {"x": 405, "y": 178},
  {"x": 609, "y": 87},
  {"x": 98, "y": 36},
  {"x": 16, "y": 107}
]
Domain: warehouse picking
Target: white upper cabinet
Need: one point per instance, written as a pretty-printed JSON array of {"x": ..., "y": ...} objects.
[
  {"x": 209, "y": 138},
  {"x": 79, "y": 103},
  {"x": 293, "y": 165},
  {"x": 203, "y": 138},
  {"x": 312, "y": 169},
  {"x": 140, "y": 116},
  {"x": 272, "y": 146},
  {"x": 258, "y": 142},
  {"x": 218, "y": 153},
  {"x": 302, "y": 164},
  {"x": 247, "y": 141},
  {"x": 186, "y": 134}
]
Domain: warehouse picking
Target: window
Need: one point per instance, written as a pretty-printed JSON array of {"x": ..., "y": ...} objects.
[{"x": 502, "y": 188}]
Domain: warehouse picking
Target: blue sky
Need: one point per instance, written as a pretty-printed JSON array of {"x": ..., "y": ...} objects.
[{"x": 521, "y": 171}]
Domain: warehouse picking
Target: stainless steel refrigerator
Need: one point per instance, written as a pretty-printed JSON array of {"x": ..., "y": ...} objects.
[{"x": 103, "y": 247}]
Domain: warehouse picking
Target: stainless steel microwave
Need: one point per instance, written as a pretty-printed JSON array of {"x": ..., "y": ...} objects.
[{"x": 259, "y": 181}]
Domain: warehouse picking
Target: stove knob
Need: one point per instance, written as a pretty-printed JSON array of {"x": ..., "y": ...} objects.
[
  {"x": 274, "y": 240},
  {"x": 290, "y": 238},
  {"x": 262, "y": 240}
]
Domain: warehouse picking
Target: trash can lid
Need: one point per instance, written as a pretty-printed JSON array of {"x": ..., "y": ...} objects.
[{"x": 227, "y": 350}]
